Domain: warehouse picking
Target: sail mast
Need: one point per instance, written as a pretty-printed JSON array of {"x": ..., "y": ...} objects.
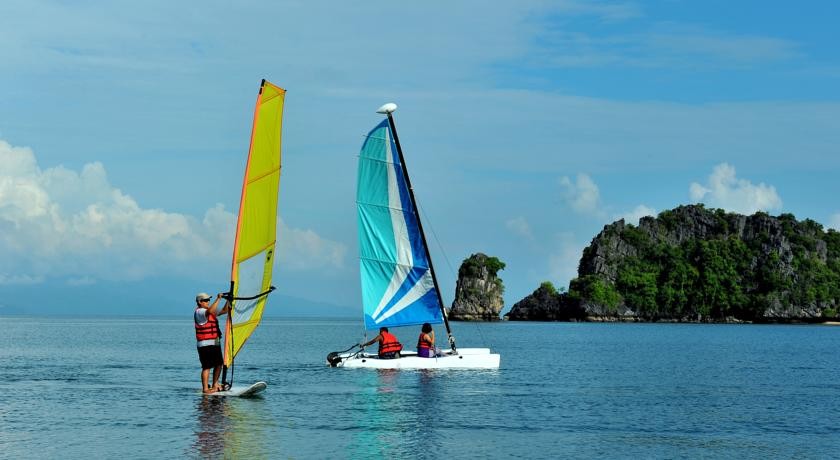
[{"x": 388, "y": 109}]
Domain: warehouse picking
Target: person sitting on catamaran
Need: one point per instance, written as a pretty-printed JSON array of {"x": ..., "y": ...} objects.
[
  {"x": 426, "y": 342},
  {"x": 208, "y": 335},
  {"x": 389, "y": 346}
]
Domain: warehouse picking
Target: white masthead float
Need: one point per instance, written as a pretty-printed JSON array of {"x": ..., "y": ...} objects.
[{"x": 399, "y": 286}]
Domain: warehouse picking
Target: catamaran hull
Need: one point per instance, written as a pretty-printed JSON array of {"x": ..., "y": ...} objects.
[{"x": 467, "y": 358}]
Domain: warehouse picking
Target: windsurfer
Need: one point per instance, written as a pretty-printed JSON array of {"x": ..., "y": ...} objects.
[
  {"x": 389, "y": 346},
  {"x": 208, "y": 335}
]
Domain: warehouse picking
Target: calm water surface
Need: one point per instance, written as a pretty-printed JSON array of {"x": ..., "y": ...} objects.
[{"x": 128, "y": 388}]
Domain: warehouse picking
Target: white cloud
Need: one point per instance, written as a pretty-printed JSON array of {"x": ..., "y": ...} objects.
[
  {"x": 724, "y": 190},
  {"x": 304, "y": 250},
  {"x": 607, "y": 12},
  {"x": 834, "y": 221},
  {"x": 564, "y": 259},
  {"x": 582, "y": 194},
  {"x": 82, "y": 281},
  {"x": 725, "y": 48},
  {"x": 519, "y": 226},
  {"x": 671, "y": 46},
  {"x": 58, "y": 222},
  {"x": 632, "y": 217},
  {"x": 19, "y": 279}
]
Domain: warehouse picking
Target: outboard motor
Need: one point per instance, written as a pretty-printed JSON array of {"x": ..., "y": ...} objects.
[{"x": 334, "y": 359}]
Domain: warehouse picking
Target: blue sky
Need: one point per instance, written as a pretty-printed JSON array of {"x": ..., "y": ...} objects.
[{"x": 527, "y": 127}]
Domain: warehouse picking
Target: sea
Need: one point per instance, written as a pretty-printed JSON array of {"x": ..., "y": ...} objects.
[{"x": 128, "y": 387}]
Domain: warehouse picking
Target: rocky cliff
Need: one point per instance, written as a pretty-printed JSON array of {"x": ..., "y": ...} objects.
[
  {"x": 478, "y": 292},
  {"x": 697, "y": 264},
  {"x": 546, "y": 304}
]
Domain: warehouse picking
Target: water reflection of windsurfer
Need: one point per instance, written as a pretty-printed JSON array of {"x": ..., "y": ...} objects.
[
  {"x": 212, "y": 424},
  {"x": 233, "y": 427}
]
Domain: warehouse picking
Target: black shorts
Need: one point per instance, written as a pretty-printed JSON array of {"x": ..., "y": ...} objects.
[{"x": 210, "y": 356}]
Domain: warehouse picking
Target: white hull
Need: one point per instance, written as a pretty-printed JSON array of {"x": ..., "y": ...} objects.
[{"x": 467, "y": 358}]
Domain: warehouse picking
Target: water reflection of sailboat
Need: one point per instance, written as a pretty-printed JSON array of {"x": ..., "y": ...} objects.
[
  {"x": 380, "y": 416},
  {"x": 233, "y": 428},
  {"x": 398, "y": 412},
  {"x": 428, "y": 410}
]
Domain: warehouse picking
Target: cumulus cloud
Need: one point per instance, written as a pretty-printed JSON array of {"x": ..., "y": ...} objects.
[
  {"x": 564, "y": 259},
  {"x": 304, "y": 250},
  {"x": 664, "y": 45},
  {"x": 724, "y": 190},
  {"x": 632, "y": 217},
  {"x": 608, "y": 12},
  {"x": 519, "y": 226},
  {"x": 582, "y": 194},
  {"x": 19, "y": 279},
  {"x": 82, "y": 281},
  {"x": 59, "y": 222},
  {"x": 834, "y": 221}
]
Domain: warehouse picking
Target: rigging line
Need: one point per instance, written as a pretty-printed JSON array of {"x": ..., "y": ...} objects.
[
  {"x": 364, "y": 329},
  {"x": 437, "y": 240},
  {"x": 448, "y": 264}
]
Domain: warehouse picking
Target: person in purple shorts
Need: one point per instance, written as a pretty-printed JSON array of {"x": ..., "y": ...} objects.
[{"x": 426, "y": 342}]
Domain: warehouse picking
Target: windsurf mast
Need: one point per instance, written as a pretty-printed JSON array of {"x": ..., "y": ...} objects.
[{"x": 388, "y": 109}]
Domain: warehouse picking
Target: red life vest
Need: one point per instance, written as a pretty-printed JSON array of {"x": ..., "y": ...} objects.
[
  {"x": 389, "y": 343},
  {"x": 209, "y": 330},
  {"x": 423, "y": 343}
]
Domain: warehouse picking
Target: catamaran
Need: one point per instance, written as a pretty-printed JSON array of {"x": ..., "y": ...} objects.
[
  {"x": 399, "y": 286},
  {"x": 256, "y": 230}
]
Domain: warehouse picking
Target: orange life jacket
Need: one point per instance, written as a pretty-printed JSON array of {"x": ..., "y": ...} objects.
[
  {"x": 423, "y": 343},
  {"x": 209, "y": 330},
  {"x": 389, "y": 343}
]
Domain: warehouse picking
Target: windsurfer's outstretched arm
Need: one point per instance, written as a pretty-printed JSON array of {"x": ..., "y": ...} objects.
[{"x": 213, "y": 308}]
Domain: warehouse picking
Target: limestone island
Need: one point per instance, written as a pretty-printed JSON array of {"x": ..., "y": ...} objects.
[
  {"x": 693, "y": 264},
  {"x": 478, "y": 291}
]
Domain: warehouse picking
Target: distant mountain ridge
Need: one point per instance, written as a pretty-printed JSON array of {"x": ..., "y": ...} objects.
[
  {"x": 697, "y": 264},
  {"x": 154, "y": 297}
]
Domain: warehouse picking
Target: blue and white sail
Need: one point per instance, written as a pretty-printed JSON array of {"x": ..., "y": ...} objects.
[{"x": 397, "y": 284}]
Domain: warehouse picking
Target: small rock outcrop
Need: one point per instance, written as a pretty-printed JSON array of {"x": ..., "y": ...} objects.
[
  {"x": 478, "y": 292},
  {"x": 546, "y": 304}
]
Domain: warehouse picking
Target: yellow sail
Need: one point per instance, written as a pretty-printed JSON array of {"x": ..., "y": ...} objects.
[{"x": 253, "y": 251}]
